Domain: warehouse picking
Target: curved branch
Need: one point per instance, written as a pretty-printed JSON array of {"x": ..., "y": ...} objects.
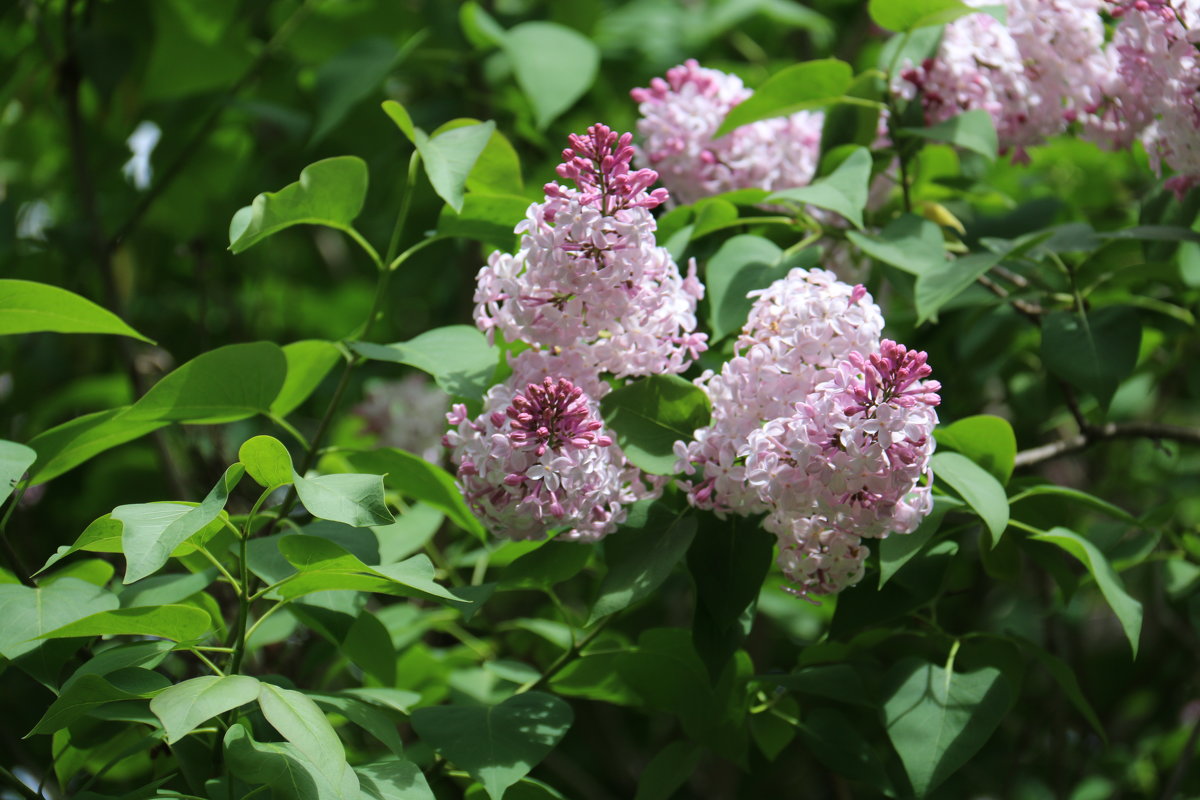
[{"x": 1092, "y": 434}]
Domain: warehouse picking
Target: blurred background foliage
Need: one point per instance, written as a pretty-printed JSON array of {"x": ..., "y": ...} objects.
[{"x": 245, "y": 93}]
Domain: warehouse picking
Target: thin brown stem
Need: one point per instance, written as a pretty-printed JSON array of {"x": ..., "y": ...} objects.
[{"x": 1091, "y": 434}]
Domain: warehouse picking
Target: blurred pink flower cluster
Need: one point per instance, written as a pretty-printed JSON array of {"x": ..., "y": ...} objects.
[
  {"x": 821, "y": 425},
  {"x": 1052, "y": 65},
  {"x": 591, "y": 292},
  {"x": 680, "y": 116}
]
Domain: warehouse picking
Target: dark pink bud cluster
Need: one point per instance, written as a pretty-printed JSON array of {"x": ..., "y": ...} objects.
[
  {"x": 1161, "y": 7},
  {"x": 551, "y": 416},
  {"x": 706, "y": 81},
  {"x": 888, "y": 377},
  {"x": 598, "y": 162}
]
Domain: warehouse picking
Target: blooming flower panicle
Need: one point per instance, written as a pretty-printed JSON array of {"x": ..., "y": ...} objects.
[
  {"x": 680, "y": 117},
  {"x": 538, "y": 458},
  {"x": 589, "y": 273},
  {"x": 598, "y": 163},
  {"x": 816, "y": 558}
]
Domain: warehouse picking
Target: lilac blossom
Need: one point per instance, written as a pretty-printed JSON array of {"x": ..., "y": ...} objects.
[
  {"x": 538, "y": 458},
  {"x": 408, "y": 413},
  {"x": 680, "y": 116},
  {"x": 818, "y": 424},
  {"x": 1033, "y": 76},
  {"x": 589, "y": 274}
]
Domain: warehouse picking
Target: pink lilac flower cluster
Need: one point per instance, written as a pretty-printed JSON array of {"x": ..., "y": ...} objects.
[
  {"x": 408, "y": 413},
  {"x": 589, "y": 273},
  {"x": 1050, "y": 66},
  {"x": 680, "y": 116},
  {"x": 821, "y": 425},
  {"x": 1153, "y": 93},
  {"x": 538, "y": 457},
  {"x": 591, "y": 292},
  {"x": 1033, "y": 76}
]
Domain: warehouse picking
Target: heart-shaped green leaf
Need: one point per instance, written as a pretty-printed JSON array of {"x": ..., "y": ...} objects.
[{"x": 498, "y": 745}]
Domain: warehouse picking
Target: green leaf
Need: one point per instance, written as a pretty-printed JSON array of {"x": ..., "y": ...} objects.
[
  {"x": 280, "y": 766},
  {"x": 223, "y": 385},
  {"x": 416, "y": 478},
  {"x": 151, "y": 531},
  {"x": 912, "y": 14},
  {"x": 554, "y": 65},
  {"x": 399, "y": 115},
  {"x": 937, "y": 719},
  {"x": 987, "y": 440},
  {"x": 267, "y": 461},
  {"x": 649, "y": 415},
  {"x": 394, "y": 779},
  {"x": 1064, "y": 676},
  {"x": 811, "y": 84},
  {"x": 68, "y": 445},
  {"x": 497, "y": 171},
  {"x": 450, "y": 156},
  {"x": 944, "y": 280},
  {"x": 30, "y": 613},
  {"x": 353, "y": 499},
  {"x": 184, "y": 706},
  {"x": 330, "y": 192},
  {"x": 639, "y": 561},
  {"x": 977, "y": 486},
  {"x": 898, "y": 549},
  {"x": 844, "y": 191},
  {"x": 101, "y": 536},
  {"x": 970, "y": 130},
  {"x": 729, "y": 560},
  {"x": 163, "y": 590},
  {"x": 320, "y": 559},
  {"x": 668, "y": 771},
  {"x": 552, "y": 563},
  {"x": 1095, "y": 351},
  {"x": 363, "y": 714},
  {"x": 15, "y": 461},
  {"x": 299, "y": 720},
  {"x": 175, "y": 622},
  {"x": 1078, "y": 496},
  {"x": 308, "y": 362},
  {"x": 346, "y": 79},
  {"x": 910, "y": 243},
  {"x": 91, "y": 691},
  {"x": 487, "y": 218},
  {"x": 743, "y": 264},
  {"x": 497, "y": 745},
  {"x": 457, "y": 356},
  {"x": 839, "y": 682},
  {"x": 840, "y": 745},
  {"x": 31, "y": 307},
  {"x": 1128, "y": 610}
]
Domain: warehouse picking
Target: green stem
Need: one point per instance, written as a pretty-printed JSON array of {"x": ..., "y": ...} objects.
[
  {"x": 566, "y": 658},
  {"x": 216, "y": 670},
  {"x": 414, "y": 164},
  {"x": 365, "y": 245},
  {"x": 268, "y": 613},
  {"x": 221, "y": 568},
  {"x": 395, "y": 263},
  {"x": 291, "y": 430},
  {"x": 244, "y": 599}
]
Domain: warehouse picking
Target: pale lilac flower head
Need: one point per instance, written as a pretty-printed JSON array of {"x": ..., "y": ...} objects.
[
  {"x": 1033, "y": 76},
  {"x": 538, "y": 458},
  {"x": 680, "y": 116},
  {"x": 855, "y": 451},
  {"x": 589, "y": 273},
  {"x": 816, "y": 558},
  {"x": 408, "y": 413}
]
